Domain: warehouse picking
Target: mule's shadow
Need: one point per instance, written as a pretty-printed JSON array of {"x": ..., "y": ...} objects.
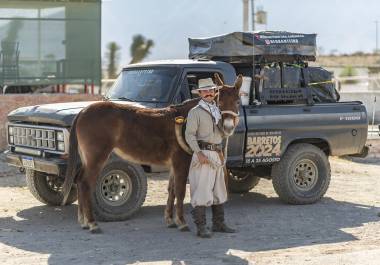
[{"x": 263, "y": 224}]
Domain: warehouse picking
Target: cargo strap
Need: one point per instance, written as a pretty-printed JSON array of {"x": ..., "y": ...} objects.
[{"x": 323, "y": 82}]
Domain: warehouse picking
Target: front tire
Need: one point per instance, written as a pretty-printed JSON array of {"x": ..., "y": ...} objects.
[
  {"x": 120, "y": 191},
  {"x": 303, "y": 174},
  {"x": 48, "y": 188}
]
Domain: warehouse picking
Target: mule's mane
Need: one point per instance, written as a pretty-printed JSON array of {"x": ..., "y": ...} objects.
[{"x": 170, "y": 112}]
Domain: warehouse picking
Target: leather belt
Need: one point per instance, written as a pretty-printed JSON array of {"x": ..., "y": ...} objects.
[{"x": 209, "y": 146}]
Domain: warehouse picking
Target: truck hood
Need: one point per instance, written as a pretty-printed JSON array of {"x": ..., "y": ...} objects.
[{"x": 59, "y": 114}]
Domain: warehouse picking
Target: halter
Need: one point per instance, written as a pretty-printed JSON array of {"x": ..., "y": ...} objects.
[{"x": 233, "y": 113}]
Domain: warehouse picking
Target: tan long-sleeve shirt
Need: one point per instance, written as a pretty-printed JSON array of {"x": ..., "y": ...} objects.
[{"x": 200, "y": 127}]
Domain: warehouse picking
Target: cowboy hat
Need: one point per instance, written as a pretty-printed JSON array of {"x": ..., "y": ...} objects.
[{"x": 204, "y": 84}]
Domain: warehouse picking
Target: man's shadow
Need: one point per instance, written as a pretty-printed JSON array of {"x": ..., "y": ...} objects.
[{"x": 263, "y": 224}]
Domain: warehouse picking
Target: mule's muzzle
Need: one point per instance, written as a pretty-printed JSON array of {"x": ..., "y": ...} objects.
[{"x": 228, "y": 126}]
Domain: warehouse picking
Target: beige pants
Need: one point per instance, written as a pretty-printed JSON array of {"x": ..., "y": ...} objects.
[{"x": 207, "y": 185}]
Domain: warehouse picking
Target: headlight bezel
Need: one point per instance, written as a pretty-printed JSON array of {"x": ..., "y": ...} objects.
[
  {"x": 10, "y": 130},
  {"x": 60, "y": 136},
  {"x": 61, "y": 146}
]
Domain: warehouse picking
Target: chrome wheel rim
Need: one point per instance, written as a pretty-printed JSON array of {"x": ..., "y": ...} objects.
[
  {"x": 305, "y": 174},
  {"x": 115, "y": 188}
]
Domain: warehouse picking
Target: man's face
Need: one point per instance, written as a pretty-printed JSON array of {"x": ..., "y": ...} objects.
[{"x": 207, "y": 95}]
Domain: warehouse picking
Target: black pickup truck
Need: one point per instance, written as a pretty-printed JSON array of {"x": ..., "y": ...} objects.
[{"x": 285, "y": 133}]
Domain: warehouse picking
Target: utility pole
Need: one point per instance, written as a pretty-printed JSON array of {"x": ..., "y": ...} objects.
[
  {"x": 377, "y": 39},
  {"x": 253, "y": 14},
  {"x": 245, "y": 15}
]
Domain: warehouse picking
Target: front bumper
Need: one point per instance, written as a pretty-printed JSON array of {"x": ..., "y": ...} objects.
[{"x": 51, "y": 166}]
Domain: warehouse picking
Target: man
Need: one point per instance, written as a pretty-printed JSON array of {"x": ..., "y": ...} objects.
[{"x": 206, "y": 175}]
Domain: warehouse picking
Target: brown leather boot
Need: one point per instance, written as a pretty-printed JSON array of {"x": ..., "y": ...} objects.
[
  {"x": 218, "y": 224},
  {"x": 199, "y": 216}
]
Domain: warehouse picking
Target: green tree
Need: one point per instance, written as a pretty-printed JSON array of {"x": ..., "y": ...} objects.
[
  {"x": 113, "y": 57},
  {"x": 140, "y": 48}
]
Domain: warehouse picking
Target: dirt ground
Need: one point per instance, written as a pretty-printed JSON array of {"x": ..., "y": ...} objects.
[{"x": 343, "y": 228}]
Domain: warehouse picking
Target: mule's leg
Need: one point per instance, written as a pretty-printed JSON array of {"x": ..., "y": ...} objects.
[
  {"x": 86, "y": 191},
  {"x": 83, "y": 223},
  {"x": 170, "y": 204},
  {"x": 181, "y": 163}
]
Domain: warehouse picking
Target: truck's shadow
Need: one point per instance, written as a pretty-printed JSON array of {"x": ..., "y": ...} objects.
[{"x": 263, "y": 224}]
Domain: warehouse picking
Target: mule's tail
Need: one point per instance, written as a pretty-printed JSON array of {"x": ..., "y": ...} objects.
[{"x": 74, "y": 163}]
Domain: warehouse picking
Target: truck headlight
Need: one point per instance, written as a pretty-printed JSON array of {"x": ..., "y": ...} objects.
[
  {"x": 61, "y": 146},
  {"x": 11, "y": 139},
  {"x": 10, "y": 130},
  {"x": 60, "y": 136}
]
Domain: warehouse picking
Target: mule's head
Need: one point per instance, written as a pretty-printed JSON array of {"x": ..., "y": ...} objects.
[{"x": 229, "y": 103}]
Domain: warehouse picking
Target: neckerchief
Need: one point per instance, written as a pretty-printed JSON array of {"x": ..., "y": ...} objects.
[{"x": 212, "y": 108}]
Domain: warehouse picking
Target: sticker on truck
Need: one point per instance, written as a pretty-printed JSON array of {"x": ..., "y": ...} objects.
[{"x": 263, "y": 147}]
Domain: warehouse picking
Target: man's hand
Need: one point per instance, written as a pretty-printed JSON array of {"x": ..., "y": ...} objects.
[{"x": 202, "y": 158}]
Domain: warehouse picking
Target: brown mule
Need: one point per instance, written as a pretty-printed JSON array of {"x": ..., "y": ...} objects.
[{"x": 135, "y": 134}]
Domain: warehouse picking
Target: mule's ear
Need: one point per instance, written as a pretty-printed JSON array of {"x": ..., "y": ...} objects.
[
  {"x": 239, "y": 81},
  {"x": 218, "y": 80}
]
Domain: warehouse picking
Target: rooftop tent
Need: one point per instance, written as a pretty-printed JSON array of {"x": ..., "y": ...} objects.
[
  {"x": 45, "y": 42},
  {"x": 268, "y": 46}
]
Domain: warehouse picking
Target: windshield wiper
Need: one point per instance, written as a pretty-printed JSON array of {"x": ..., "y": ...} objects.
[{"x": 125, "y": 98}]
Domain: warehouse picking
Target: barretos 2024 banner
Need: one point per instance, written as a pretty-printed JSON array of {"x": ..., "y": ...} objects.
[
  {"x": 248, "y": 44},
  {"x": 263, "y": 147}
]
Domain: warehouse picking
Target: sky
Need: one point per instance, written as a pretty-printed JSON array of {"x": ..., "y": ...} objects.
[{"x": 345, "y": 26}]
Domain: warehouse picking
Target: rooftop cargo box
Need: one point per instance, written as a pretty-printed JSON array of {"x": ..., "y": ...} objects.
[{"x": 263, "y": 46}]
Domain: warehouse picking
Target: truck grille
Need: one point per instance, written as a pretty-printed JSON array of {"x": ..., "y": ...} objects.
[
  {"x": 34, "y": 137},
  {"x": 29, "y": 139}
]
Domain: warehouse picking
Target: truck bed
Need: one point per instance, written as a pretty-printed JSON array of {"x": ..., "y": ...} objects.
[{"x": 265, "y": 131}]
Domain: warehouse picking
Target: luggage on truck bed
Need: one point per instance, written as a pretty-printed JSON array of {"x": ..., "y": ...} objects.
[
  {"x": 322, "y": 86},
  {"x": 263, "y": 46},
  {"x": 287, "y": 85}
]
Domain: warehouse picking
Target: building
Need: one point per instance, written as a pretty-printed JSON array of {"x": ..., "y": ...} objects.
[{"x": 50, "y": 44}]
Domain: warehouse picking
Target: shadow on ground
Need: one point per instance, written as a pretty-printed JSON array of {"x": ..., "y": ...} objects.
[{"x": 263, "y": 224}]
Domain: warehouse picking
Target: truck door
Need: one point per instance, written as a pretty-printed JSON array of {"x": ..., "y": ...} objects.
[{"x": 264, "y": 138}]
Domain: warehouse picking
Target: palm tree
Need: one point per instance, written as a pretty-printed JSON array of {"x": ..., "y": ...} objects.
[
  {"x": 113, "y": 59},
  {"x": 140, "y": 48}
]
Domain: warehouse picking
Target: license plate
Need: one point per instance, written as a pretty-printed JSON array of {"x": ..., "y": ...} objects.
[{"x": 27, "y": 162}]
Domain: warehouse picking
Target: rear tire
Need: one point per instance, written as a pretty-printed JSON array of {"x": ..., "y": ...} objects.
[
  {"x": 48, "y": 188},
  {"x": 120, "y": 191},
  {"x": 240, "y": 181},
  {"x": 303, "y": 174}
]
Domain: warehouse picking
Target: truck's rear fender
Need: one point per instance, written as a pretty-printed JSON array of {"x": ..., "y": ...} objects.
[{"x": 322, "y": 144}]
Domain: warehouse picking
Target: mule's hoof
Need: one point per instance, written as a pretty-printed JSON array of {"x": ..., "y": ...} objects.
[
  {"x": 184, "y": 228},
  {"x": 95, "y": 230},
  {"x": 84, "y": 227},
  {"x": 171, "y": 224}
]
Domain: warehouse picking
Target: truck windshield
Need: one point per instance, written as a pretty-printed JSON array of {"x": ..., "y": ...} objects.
[{"x": 144, "y": 85}]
